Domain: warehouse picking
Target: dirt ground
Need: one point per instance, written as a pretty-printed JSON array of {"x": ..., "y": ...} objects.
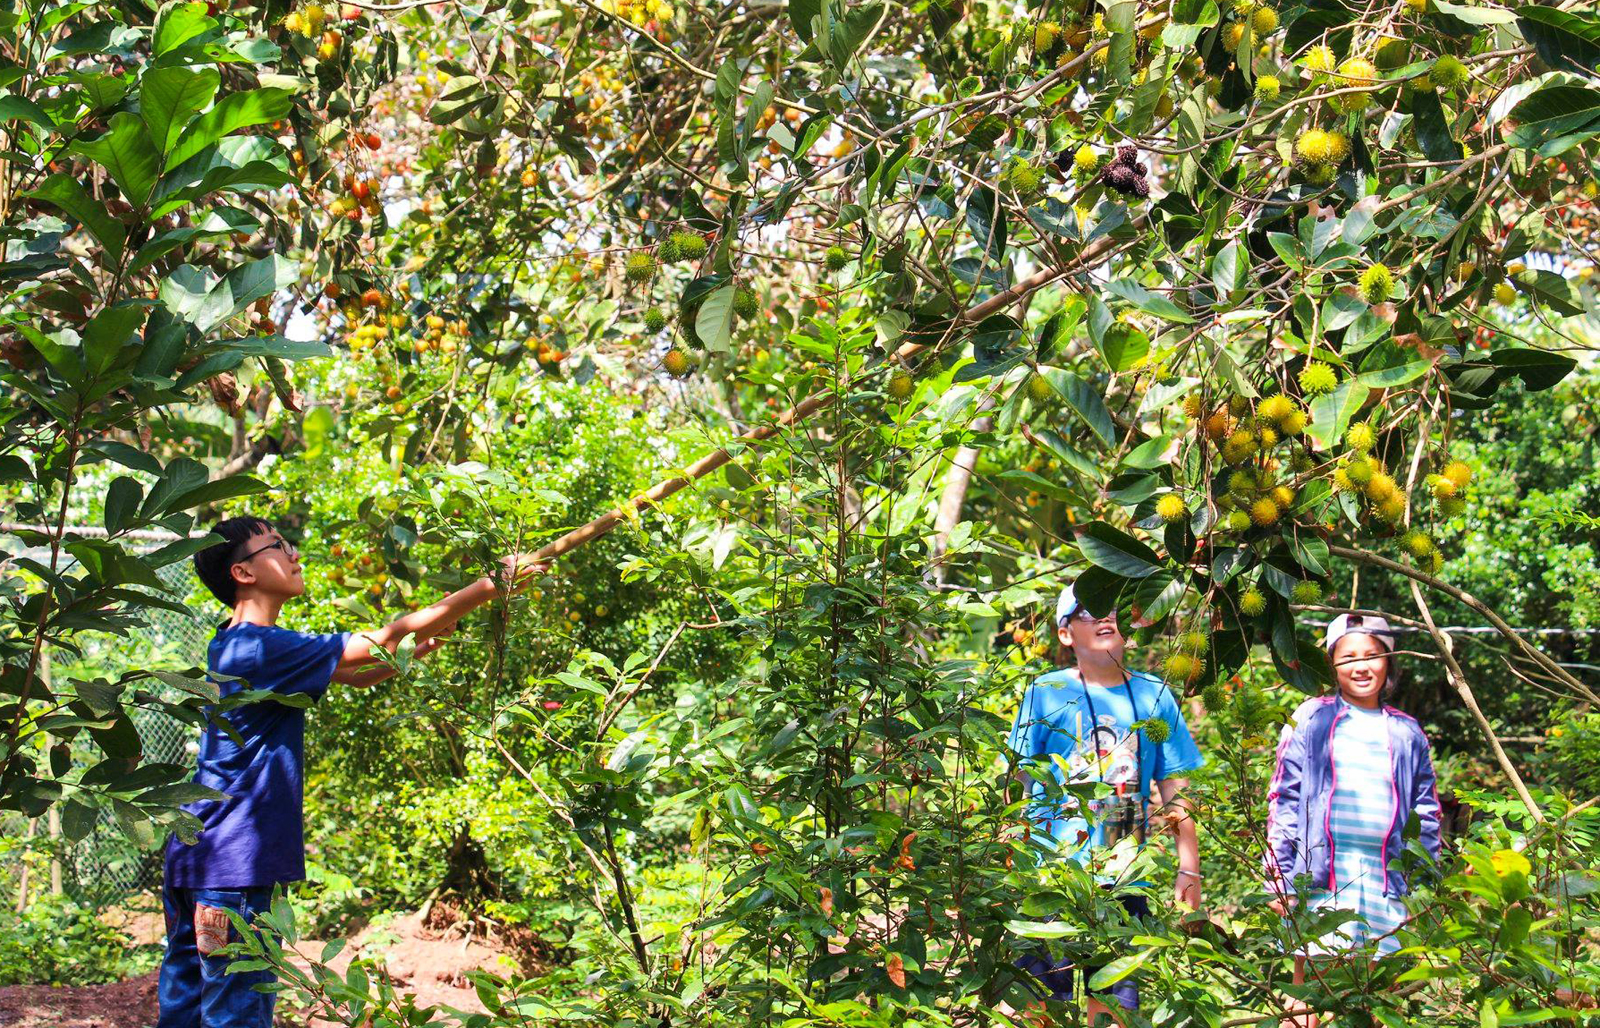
[{"x": 429, "y": 959}]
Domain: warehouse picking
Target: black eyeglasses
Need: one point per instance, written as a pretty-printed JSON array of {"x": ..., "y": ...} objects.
[{"x": 287, "y": 547}]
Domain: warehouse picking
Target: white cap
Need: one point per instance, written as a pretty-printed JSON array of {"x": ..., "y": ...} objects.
[
  {"x": 1358, "y": 624},
  {"x": 1065, "y": 606}
]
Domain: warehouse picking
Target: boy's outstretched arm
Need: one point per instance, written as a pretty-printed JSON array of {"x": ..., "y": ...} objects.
[{"x": 427, "y": 623}]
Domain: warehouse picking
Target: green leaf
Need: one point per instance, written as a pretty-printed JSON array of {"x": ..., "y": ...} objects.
[
  {"x": 1555, "y": 119},
  {"x": 987, "y": 222},
  {"x": 109, "y": 331},
  {"x": 1085, "y": 400},
  {"x": 1474, "y": 15},
  {"x": 1124, "y": 347},
  {"x": 135, "y": 823},
  {"x": 128, "y": 156},
  {"x": 1150, "y": 303},
  {"x": 122, "y": 502},
  {"x": 1331, "y": 412},
  {"x": 713, "y": 322},
  {"x": 170, "y": 97},
  {"x": 20, "y": 108},
  {"x": 1433, "y": 134},
  {"x": 1116, "y": 551},
  {"x": 177, "y": 793},
  {"x": 230, "y": 296},
  {"x": 1566, "y": 40},
  {"x": 800, "y": 14},
  {"x": 177, "y": 24},
  {"x": 235, "y": 111},
  {"x": 1119, "y": 969},
  {"x": 1538, "y": 369},
  {"x": 1391, "y": 364},
  {"x": 77, "y": 820},
  {"x": 1230, "y": 269},
  {"x": 67, "y": 194}
]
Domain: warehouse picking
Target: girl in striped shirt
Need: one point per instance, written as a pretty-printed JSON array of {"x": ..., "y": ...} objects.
[{"x": 1351, "y": 772}]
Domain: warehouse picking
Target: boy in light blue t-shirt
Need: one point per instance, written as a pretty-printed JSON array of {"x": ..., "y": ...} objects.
[{"x": 1087, "y": 724}]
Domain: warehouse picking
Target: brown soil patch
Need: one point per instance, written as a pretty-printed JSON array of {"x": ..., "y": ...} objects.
[{"x": 428, "y": 959}]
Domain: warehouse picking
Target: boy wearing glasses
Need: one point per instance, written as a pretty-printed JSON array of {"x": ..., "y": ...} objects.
[
  {"x": 254, "y": 837},
  {"x": 1089, "y": 723}
]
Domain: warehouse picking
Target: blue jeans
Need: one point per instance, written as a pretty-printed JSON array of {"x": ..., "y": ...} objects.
[
  {"x": 1054, "y": 979},
  {"x": 196, "y": 991}
]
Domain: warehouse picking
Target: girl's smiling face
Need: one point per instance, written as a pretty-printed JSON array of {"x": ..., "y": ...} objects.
[{"x": 1361, "y": 667}]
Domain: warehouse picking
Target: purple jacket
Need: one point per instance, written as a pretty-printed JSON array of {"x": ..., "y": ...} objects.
[{"x": 1299, "y": 804}]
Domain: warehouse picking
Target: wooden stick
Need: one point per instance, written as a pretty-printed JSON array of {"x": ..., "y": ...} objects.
[{"x": 721, "y": 456}]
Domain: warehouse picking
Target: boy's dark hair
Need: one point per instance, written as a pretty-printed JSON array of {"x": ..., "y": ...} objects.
[{"x": 214, "y": 564}]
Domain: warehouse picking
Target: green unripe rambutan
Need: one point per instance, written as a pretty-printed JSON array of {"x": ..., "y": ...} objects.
[
  {"x": 1505, "y": 294},
  {"x": 1241, "y": 484},
  {"x": 1317, "y": 378},
  {"x": 1239, "y": 521},
  {"x": 1252, "y": 603},
  {"x": 1443, "y": 488},
  {"x": 1305, "y": 592},
  {"x": 745, "y": 304},
  {"x": 1360, "y": 437},
  {"x": 1039, "y": 388},
  {"x": 1046, "y": 35},
  {"x": 1393, "y": 508},
  {"x": 1319, "y": 60},
  {"x": 1458, "y": 472},
  {"x": 1380, "y": 487},
  {"x": 1342, "y": 481},
  {"x": 640, "y": 267},
  {"x": 1264, "y": 511},
  {"x": 1376, "y": 283},
  {"x": 1275, "y": 408},
  {"x": 1294, "y": 423},
  {"x": 1267, "y": 88},
  {"x": 1319, "y": 148},
  {"x": 1238, "y": 406},
  {"x": 1024, "y": 178},
  {"x": 1417, "y": 543},
  {"x": 1085, "y": 160},
  {"x": 1156, "y": 730},
  {"x": 1357, "y": 71},
  {"x": 900, "y": 385},
  {"x": 1233, "y": 36},
  {"x": 1194, "y": 642},
  {"x": 668, "y": 252},
  {"x": 689, "y": 246},
  {"x": 1264, "y": 21},
  {"x": 655, "y": 319},
  {"x": 1215, "y": 697},
  {"x": 1240, "y": 447},
  {"x": 1448, "y": 72},
  {"x": 1182, "y": 667},
  {"x": 1453, "y": 506},
  {"x": 836, "y": 258},
  {"x": 1171, "y": 508}
]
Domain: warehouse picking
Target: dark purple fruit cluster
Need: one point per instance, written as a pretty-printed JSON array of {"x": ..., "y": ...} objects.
[{"x": 1125, "y": 174}]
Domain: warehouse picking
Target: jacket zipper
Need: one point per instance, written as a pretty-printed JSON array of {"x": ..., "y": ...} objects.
[
  {"x": 1394, "y": 799},
  {"x": 1333, "y": 785}
]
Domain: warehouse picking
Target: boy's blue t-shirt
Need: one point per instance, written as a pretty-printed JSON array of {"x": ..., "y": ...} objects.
[
  {"x": 255, "y": 836},
  {"x": 1088, "y": 728}
]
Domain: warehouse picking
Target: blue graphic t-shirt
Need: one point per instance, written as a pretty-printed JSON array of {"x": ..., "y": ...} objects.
[
  {"x": 256, "y": 835},
  {"x": 1082, "y": 733}
]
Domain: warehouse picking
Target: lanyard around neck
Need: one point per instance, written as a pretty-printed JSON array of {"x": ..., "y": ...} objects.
[{"x": 1138, "y": 734}]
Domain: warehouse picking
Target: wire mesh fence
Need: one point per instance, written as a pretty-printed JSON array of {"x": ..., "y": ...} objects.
[{"x": 105, "y": 867}]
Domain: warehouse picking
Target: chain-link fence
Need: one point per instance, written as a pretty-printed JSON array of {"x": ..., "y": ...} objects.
[{"x": 105, "y": 867}]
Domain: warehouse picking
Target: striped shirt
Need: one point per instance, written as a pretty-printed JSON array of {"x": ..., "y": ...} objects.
[{"x": 1362, "y": 810}]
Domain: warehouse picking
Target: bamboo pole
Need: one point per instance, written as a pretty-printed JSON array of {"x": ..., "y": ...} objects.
[{"x": 799, "y": 412}]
